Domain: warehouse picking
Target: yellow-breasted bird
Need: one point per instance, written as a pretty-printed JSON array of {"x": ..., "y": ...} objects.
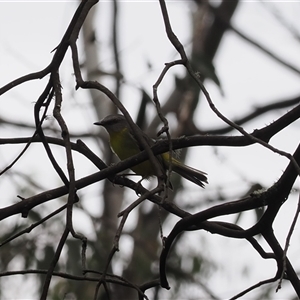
[{"x": 124, "y": 145}]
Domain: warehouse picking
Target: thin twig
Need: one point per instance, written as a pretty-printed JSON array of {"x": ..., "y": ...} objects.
[
  {"x": 287, "y": 244},
  {"x": 53, "y": 264},
  {"x": 32, "y": 226},
  {"x": 178, "y": 46}
]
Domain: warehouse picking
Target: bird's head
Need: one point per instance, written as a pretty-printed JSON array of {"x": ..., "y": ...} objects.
[{"x": 113, "y": 123}]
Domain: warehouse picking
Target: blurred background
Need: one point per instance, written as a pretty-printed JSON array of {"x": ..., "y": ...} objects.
[{"x": 247, "y": 54}]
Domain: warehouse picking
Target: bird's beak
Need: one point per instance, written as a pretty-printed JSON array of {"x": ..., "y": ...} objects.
[{"x": 98, "y": 123}]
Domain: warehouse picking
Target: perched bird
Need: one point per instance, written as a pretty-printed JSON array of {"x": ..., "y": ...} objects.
[{"x": 124, "y": 145}]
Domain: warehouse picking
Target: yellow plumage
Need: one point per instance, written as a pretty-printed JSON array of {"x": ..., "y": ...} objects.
[{"x": 124, "y": 145}]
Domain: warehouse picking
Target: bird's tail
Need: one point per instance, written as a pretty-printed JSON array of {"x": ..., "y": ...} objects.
[{"x": 189, "y": 173}]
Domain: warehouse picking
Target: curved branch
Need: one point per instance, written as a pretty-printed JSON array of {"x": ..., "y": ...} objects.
[
  {"x": 258, "y": 111},
  {"x": 274, "y": 198},
  {"x": 61, "y": 49}
]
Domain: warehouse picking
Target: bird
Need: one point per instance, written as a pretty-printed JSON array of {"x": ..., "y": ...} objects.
[{"x": 124, "y": 145}]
